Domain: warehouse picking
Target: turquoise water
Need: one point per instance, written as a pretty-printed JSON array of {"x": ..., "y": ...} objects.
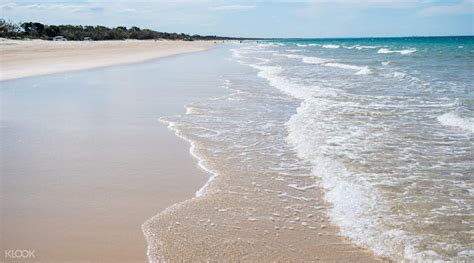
[
  {"x": 388, "y": 125},
  {"x": 385, "y": 126}
]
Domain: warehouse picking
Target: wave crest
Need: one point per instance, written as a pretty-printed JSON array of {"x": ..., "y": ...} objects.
[
  {"x": 402, "y": 52},
  {"x": 454, "y": 120},
  {"x": 331, "y": 46}
]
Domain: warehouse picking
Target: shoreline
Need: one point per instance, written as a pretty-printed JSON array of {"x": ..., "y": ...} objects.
[
  {"x": 247, "y": 228},
  {"x": 114, "y": 161},
  {"x": 192, "y": 152},
  {"x": 243, "y": 215},
  {"x": 27, "y": 58}
]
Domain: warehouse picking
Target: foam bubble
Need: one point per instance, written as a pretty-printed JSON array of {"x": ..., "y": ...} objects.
[
  {"x": 364, "y": 71},
  {"x": 315, "y": 60},
  {"x": 192, "y": 150},
  {"x": 289, "y": 55},
  {"x": 365, "y": 47},
  {"x": 270, "y": 44},
  {"x": 454, "y": 120},
  {"x": 353, "y": 198},
  {"x": 191, "y": 110},
  {"x": 361, "y": 70},
  {"x": 341, "y": 148},
  {"x": 294, "y": 50},
  {"x": 331, "y": 46},
  {"x": 272, "y": 74},
  {"x": 358, "y": 47},
  {"x": 399, "y": 75},
  {"x": 402, "y": 52}
]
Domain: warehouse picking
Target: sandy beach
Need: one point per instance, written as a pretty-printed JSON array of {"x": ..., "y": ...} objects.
[
  {"x": 85, "y": 162},
  {"x": 236, "y": 131},
  {"x": 24, "y": 58},
  {"x": 87, "y": 166}
]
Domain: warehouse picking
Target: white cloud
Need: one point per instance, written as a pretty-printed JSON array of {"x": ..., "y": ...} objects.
[
  {"x": 45, "y": 7},
  {"x": 129, "y": 10},
  {"x": 367, "y": 3},
  {"x": 231, "y": 7},
  {"x": 464, "y": 7}
]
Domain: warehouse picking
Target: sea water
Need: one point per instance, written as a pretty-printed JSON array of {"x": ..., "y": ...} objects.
[{"x": 385, "y": 124}]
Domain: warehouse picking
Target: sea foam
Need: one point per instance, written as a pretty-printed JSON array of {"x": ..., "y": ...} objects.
[
  {"x": 402, "y": 52},
  {"x": 353, "y": 139},
  {"x": 452, "y": 119},
  {"x": 352, "y": 199},
  {"x": 331, "y": 46},
  {"x": 315, "y": 60},
  {"x": 359, "y": 47},
  {"x": 361, "y": 70},
  {"x": 289, "y": 55}
]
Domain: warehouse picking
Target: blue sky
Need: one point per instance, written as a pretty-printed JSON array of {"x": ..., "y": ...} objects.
[{"x": 283, "y": 18}]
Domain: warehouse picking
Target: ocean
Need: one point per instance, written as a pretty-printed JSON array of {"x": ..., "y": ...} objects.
[{"x": 384, "y": 125}]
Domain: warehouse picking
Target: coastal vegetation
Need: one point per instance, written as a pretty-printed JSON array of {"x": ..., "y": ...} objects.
[{"x": 35, "y": 30}]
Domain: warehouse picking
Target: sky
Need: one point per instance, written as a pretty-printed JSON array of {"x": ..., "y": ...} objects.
[{"x": 259, "y": 18}]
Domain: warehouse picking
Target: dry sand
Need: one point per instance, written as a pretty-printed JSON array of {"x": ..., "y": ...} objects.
[{"x": 24, "y": 58}]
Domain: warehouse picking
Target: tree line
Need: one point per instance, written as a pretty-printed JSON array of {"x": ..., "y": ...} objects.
[{"x": 9, "y": 29}]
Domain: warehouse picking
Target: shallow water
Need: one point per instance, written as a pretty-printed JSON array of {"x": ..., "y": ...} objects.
[{"x": 385, "y": 124}]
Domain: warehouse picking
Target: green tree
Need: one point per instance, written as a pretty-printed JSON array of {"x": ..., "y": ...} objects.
[{"x": 9, "y": 29}]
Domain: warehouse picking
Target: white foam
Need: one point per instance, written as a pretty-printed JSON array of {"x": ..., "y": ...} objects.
[
  {"x": 236, "y": 53},
  {"x": 360, "y": 47},
  {"x": 354, "y": 200},
  {"x": 272, "y": 74},
  {"x": 315, "y": 60},
  {"x": 302, "y": 188},
  {"x": 192, "y": 150},
  {"x": 361, "y": 70},
  {"x": 364, "y": 71},
  {"x": 366, "y": 47},
  {"x": 402, "y": 52},
  {"x": 359, "y": 208},
  {"x": 289, "y": 55},
  {"x": 191, "y": 110},
  {"x": 301, "y": 45},
  {"x": 385, "y": 63},
  {"x": 294, "y": 50},
  {"x": 331, "y": 46},
  {"x": 399, "y": 75},
  {"x": 352, "y": 197},
  {"x": 452, "y": 119},
  {"x": 270, "y": 44}
]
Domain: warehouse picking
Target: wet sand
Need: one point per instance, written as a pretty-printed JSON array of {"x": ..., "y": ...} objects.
[
  {"x": 251, "y": 224},
  {"x": 24, "y": 58},
  {"x": 256, "y": 209},
  {"x": 85, "y": 162}
]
